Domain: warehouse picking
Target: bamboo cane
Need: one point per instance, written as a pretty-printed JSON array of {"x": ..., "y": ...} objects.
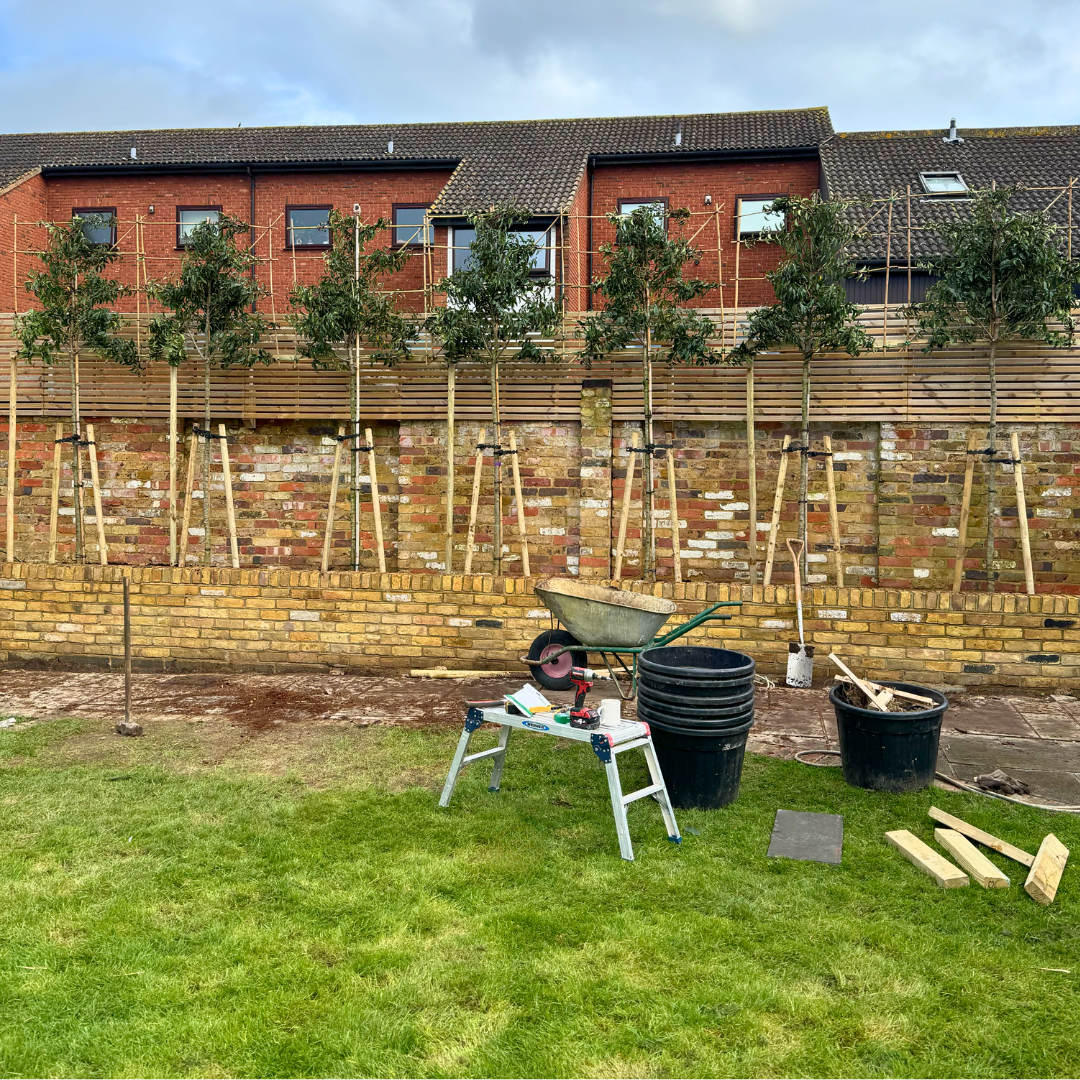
[
  {"x": 54, "y": 502},
  {"x": 624, "y": 515},
  {"x": 376, "y": 501},
  {"x": 778, "y": 502},
  {"x": 673, "y": 510},
  {"x": 751, "y": 473},
  {"x": 1021, "y": 513},
  {"x": 451, "y": 387},
  {"x": 13, "y": 404},
  {"x": 189, "y": 491},
  {"x": 95, "y": 485},
  {"x": 172, "y": 463},
  {"x": 520, "y": 507},
  {"x": 965, "y": 513},
  {"x": 834, "y": 517},
  {"x": 230, "y": 510},
  {"x": 334, "y": 480},
  {"x": 474, "y": 505}
]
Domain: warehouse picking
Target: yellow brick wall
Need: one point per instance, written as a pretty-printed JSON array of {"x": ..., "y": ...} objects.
[{"x": 289, "y": 620}]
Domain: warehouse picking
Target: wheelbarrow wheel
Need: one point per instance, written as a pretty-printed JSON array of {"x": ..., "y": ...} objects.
[{"x": 556, "y": 674}]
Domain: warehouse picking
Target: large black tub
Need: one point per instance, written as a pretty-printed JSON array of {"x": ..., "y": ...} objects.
[
  {"x": 699, "y": 703},
  {"x": 889, "y": 751}
]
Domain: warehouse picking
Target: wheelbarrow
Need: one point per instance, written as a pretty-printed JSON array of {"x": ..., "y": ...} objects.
[{"x": 612, "y": 622}]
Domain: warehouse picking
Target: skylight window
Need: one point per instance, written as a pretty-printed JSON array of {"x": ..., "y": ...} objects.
[{"x": 946, "y": 184}]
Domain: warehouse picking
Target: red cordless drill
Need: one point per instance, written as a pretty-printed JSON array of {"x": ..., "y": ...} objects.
[{"x": 580, "y": 716}]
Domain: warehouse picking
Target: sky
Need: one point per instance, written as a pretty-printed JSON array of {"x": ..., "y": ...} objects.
[{"x": 101, "y": 65}]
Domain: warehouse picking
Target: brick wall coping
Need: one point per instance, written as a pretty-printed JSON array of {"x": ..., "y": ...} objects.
[{"x": 18, "y": 576}]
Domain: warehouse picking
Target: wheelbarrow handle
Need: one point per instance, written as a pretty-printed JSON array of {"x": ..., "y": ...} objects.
[{"x": 708, "y": 615}]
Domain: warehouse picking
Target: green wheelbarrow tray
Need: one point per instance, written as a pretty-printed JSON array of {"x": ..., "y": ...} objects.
[{"x": 603, "y": 620}]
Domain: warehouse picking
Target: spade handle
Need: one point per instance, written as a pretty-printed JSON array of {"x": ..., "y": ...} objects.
[{"x": 796, "y": 548}]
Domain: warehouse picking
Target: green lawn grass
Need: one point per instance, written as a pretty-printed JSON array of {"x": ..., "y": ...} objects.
[{"x": 157, "y": 922}]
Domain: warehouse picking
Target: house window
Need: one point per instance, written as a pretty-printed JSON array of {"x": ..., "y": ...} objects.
[
  {"x": 409, "y": 228},
  {"x": 187, "y": 217},
  {"x": 307, "y": 226},
  {"x": 753, "y": 216},
  {"x": 462, "y": 248},
  {"x": 944, "y": 184},
  {"x": 98, "y": 223},
  {"x": 658, "y": 205}
]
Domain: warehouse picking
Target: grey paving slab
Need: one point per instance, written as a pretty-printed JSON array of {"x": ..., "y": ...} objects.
[
  {"x": 986, "y": 716},
  {"x": 1061, "y": 787},
  {"x": 1037, "y": 755},
  {"x": 808, "y": 837}
]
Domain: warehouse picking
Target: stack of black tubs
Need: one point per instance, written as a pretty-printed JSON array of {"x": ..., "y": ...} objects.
[{"x": 699, "y": 704}]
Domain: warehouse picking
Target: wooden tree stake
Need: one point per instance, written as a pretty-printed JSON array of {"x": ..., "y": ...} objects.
[
  {"x": 751, "y": 473},
  {"x": 230, "y": 509},
  {"x": 189, "y": 491},
  {"x": 1021, "y": 513},
  {"x": 834, "y": 517},
  {"x": 376, "y": 501},
  {"x": 103, "y": 551},
  {"x": 334, "y": 480},
  {"x": 13, "y": 403},
  {"x": 965, "y": 513},
  {"x": 676, "y": 532},
  {"x": 172, "y": 462},
  {"x": 778, "y": 502},
  {"x": 520, "y": 507},
  {"x": 451, "y": 387},
  {"x": 54, "y": 507},
  {"x": 474, "y": 505},
  {"x": 624, "y": 515}
]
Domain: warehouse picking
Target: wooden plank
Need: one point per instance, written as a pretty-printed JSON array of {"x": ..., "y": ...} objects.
[
  {"x": 878, "y": 700},
  {"x": 673, "y": 511},
  {"x": 13, "y": 404},
  {"x": 474, "y": 506},
  {"x": 984, "y": 838},
  {"x": 1021, "y": 513},
  {"x": 834, "y": 517},
  {"x": 1045, "y": 875},
  {"x": 230, "y": 509},
  {"x": 965, "y": 514},
  {"x": 525, "y": 570},
  {"x": 927, "y": 859},
  {"x": 971, "y": 859}
]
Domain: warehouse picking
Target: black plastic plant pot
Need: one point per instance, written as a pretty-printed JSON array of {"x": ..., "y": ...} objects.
[
  {"x": 702, "y": 767},
  {"x": 696, "y": 662},
  {"x": 886, "y": 751}
]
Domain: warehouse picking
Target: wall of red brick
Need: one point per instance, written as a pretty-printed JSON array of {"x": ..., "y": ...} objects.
[
  {"x": 686, "y": 186},
  {"x": 376, "y": 192},
  {"x": 20, "y": 207}
]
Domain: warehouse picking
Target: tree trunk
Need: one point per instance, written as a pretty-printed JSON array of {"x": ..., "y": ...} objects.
[
  {"x": 451, "y": 386},
  {"x": 496, "y": 566},
  {"x": 804, "y": 472},
  {"x": 206, "y": 460},
  {"x": 991, "y": 467},
  {"x": 648, "y": 569},
  {"x": 76, "y": 455}
]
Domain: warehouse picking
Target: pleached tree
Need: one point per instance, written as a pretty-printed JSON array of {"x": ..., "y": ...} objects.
[
  {"x": 497, "y": 307},
  {"x": 76, "y": 316},
  {"x": 812, "y": 313},
  {"x": 349, "y": 314},
  {"x": 644, "y": 292},
  {"x": 208, "y": 314},
  {"x": 1005, "y": 276}
]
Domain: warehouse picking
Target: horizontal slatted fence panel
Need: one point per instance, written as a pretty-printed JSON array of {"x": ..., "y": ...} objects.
[{"x": 1035, "y": 383}]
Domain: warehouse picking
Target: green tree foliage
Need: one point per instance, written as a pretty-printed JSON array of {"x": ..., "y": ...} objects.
[
  {"x": 1006, "y": 276},
  {"x": 496, "y": 307},
  {"x": 348, "y": 312},
  {"x": 644, "y": 292},
  {"x": 811, "y": 312},
  {"x": 75, "y": 315},
  {"x": 208, "y": 313}
]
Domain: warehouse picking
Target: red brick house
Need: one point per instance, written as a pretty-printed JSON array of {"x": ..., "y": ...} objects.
[{"x": 283, "y": 181}]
